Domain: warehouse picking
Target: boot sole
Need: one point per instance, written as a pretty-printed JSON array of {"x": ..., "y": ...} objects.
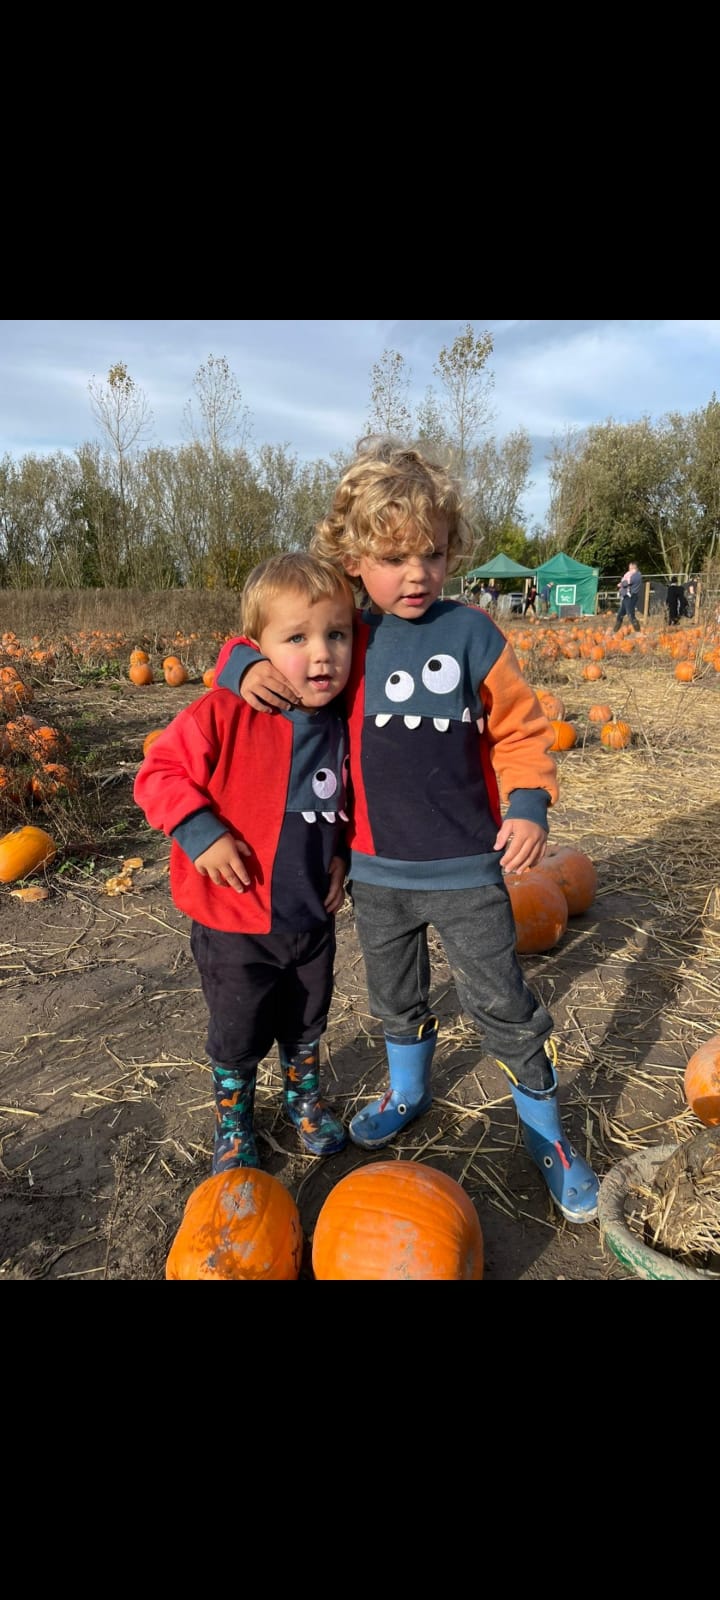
[
  {"x": 327, "y": 1150},
  {"x": 379, "y": 1144},
  {"x": 575, "y": 1216}
]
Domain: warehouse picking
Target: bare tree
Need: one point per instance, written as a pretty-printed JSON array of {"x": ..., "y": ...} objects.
[
  {"x": 122, "y": 410},
  {"x": 390, "y": 381},
  {"x": 224, "y": 420},
  {"x": 429, "y": 426},
  {"x": 461, "y": 370}
]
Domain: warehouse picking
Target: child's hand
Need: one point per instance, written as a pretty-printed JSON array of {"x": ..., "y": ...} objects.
[
  {"x": 336, "y": 892},
  {"x": 223, "y": 862},
  {"x": 524, "y": 844},
  {"x": 265, "y": 689}
]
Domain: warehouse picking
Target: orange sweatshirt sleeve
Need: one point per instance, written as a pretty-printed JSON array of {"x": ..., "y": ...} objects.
[{"x": 519, "y": 733}]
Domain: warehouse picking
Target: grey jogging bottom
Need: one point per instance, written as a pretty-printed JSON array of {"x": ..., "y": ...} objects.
[{"x": 477, "y": 930}]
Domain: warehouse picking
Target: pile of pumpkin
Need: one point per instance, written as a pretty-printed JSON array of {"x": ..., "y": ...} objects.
[{"x": 33, "y": 744}]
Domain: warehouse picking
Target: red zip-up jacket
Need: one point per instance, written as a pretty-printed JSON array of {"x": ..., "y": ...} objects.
[{"x": 221, "y": 758}]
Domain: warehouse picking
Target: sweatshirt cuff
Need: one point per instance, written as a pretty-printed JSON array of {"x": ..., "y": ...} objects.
[
  {"x": 198, "y": 832},
  {"x": 240, "y": 658},
  {"x": 530, "y": 805}
]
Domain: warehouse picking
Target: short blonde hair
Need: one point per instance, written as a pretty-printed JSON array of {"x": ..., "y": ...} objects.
[
  {"x": 299, "y": 572},
  {"x": 389, "y": 485}
]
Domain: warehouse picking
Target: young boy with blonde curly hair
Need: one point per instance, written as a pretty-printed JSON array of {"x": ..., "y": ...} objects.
[{"x": 442, "y": 725}]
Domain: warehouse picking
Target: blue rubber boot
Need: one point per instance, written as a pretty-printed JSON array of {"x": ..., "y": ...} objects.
[
  {"x": 321, "y": 1131},
  {"x": 572, "y": 1183},
  {"x": 234, "y": 1144},
  {"x": 409, "y": 1093}
]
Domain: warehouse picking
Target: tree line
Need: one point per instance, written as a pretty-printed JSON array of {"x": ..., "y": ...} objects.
[{"x": 120, "y": 512}]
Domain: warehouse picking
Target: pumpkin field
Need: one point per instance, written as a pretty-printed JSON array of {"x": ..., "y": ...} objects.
[{"x": 106, "y": 1106}]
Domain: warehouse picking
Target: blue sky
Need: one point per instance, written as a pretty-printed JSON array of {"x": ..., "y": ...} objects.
[{"x": 307, "y": 383}]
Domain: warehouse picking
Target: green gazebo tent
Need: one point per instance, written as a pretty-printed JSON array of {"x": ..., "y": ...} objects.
[
  {"x": 500, "y": 567},
  {"x": 575, "y": 584}
]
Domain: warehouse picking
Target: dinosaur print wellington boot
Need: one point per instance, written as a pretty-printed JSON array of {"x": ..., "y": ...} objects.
[
  {"x": 234, "y": 1109},
  {"x": 408, "y": 1096},
  {"x": 571, "y": 1182},
  {"x": 321, "y": 1131}
]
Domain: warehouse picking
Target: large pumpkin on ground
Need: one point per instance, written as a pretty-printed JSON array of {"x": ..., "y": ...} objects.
[
  {"x": 397, "y": 1220},
  {"x": 239, "y": 1224},
  {"x": 574, "y": 873},
  {"x": 702, "y": 1082},
  {"x": 23, "y": 851},
  {"x": 539, "y": 908}
]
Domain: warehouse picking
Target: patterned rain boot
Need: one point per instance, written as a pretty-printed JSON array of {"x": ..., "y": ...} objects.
[
  {"x": 572, "y": 1183},
  {"x": 409, "y": 1094},
  {"x": 321, "y": 1131},
  {"x": 234, "y": 1107}
]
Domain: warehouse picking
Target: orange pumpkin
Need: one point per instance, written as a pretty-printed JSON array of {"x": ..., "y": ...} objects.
[
  {"x": 23, "y": 851},
  {"x": 616, "y": 735},
  {"x": 46, "y": 743},
  {"x": 539, "y": 908},
  {"x": 175, "y": 675},
  {"x": 208, "y": 677},
  {"x": 702, "y": 1082},
  {"x": 574, "y": 873},
  {"x": 141, "y": 674},
  {"x": 239, "y": 1224},
  {"x": 20, "y": 731},
  {"x": 8, "y": 786},
  {"x": 551, "y": 704},
  {"x": 139, "y": 658},
  {"x": 150, "y": 739},
  {"x": 592, "y": 672},
  {"x": 565, "y": 734},
  {"x": 52, "y": 778},
  {"x": 685, "y": 671},
  {"x": 397, "y": 1220},
  {"x": 600, "y": 714}
]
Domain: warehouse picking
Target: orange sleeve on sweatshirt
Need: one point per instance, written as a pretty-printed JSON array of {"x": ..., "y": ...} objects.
[{"x": 519, "y": 733}]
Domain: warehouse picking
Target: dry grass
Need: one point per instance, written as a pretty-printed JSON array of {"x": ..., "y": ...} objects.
[
  {"x": 680, "y": 1213},
  {"x": 140, "y": 615}
]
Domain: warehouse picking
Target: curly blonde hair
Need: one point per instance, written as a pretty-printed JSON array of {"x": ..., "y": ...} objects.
[
  {"x": 392, "y": 492},
  {"x": 298, "y": 572}
]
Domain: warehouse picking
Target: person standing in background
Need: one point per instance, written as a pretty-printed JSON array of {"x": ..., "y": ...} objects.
[
  {"x": 675, "y": 601},
  {"x": 629, "y": 589}
]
